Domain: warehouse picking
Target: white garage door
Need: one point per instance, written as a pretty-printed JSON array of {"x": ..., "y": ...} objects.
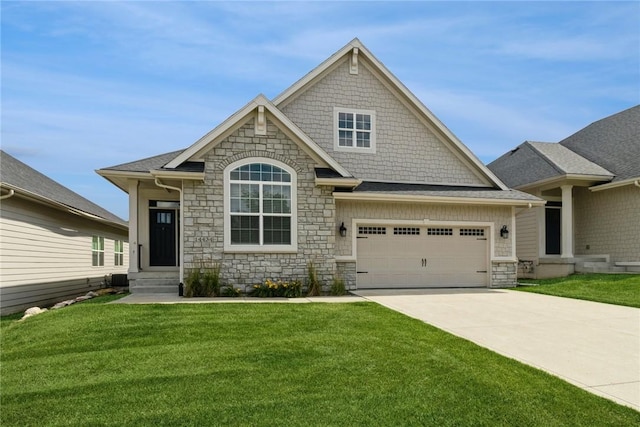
[{"x": 421, "y": 257}]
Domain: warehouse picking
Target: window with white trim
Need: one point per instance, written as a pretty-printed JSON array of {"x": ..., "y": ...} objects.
[
  {"x": 354, "y": 130},
  {"x": 118, "y": 252},
  {"x": 260, "y": 206},
  {"x": 97, "y": 251}
]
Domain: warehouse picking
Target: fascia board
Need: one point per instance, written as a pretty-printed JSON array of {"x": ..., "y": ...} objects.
[
  {"x": 315, "y": 148},
  {"x": 561, "y": 178},
  {"x": 339, "y": 182},
  {"x": 381, "y": 197},
  {"x": 213, "y": 134},
  {"x": 169, "y": 174},
  {"x": 233, "y": 121},
  {"x": 631, "y": 181}
]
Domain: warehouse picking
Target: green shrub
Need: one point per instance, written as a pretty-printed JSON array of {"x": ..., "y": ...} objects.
[
  {"x": 313, "y": 284},
  {"x": 230, "y": 291},
  {"x": 337, "y": 287},
  {"x": 277, "y": 288},
  {"x": 203, "y": 283}
]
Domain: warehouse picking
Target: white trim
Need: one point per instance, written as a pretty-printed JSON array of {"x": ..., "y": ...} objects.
[
  {"x": 371, "y": 149},
  {"x": 226, "y": 127},
  {"x": 195, "y": 176},
  {"x": 384, "y": 197},
  {"x": 180, "y": 228},
  {"x": 554, "y": 181},
  {"x": 630, "y": 181},
  {"x": 228, "y": 247},
  {"x": 339, "y": 182}
]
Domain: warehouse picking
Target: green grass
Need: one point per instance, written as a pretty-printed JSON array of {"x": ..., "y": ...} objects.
[
  {"x": 620, "y": 289},
  {"x": 271, "y": 365}
]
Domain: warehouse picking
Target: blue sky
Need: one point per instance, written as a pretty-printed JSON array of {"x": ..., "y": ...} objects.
[{"x": 87, "y": 85}]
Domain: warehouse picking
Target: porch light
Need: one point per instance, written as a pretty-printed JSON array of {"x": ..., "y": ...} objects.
[
  {"x": 504, "y": 232},
  {"x": 343, "y": 230}
]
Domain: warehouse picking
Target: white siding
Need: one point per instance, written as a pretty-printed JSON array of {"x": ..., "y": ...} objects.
[{"x": 44, "y": 246}]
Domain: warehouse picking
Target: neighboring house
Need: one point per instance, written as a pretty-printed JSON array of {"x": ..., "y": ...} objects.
[
  {"x": 347, "y": 170},
  {"x": 54, "y": 243},
  {"x": 591, "y": 181}
]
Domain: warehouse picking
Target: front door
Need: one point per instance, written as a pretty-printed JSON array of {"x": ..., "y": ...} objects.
[
  {"x": 162, "y": 232},
  {"x": 552, "y": 230}
]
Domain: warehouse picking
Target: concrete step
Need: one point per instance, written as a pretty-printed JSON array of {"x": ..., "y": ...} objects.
[
  {"x": 154, "y": 286},
  {"x": 150, "y": 289}
]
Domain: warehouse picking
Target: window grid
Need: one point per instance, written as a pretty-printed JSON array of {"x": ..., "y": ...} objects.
[
  {"x": 472, "y": 232},
  {"x": 415, "y": 231},
  {"x": 372, "y": 230},
  {"x": 354, "y": 129},
  {"x": 260, "y": 205},
  {"x": 118, "y": 252},
  {"x": 97, "y": 251},
  {"x": 440, "y": 231}
]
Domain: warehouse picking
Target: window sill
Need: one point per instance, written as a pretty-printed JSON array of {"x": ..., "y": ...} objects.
[{"x": 277, "y": 249}]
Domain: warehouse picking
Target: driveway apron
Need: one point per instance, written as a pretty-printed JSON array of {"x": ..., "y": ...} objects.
[{"x": 592, "y": 345}]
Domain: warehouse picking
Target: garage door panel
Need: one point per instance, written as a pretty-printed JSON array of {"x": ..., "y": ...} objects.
[{"x": 422, "y": 257}]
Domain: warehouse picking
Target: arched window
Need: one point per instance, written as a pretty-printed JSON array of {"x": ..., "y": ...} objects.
[{"x": 260, "y": 209}]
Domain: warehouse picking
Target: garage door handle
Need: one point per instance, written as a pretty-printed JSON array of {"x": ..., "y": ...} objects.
[
  {"x": 424, "y": 262},
  {"x": 481, "y": 271},
  {"x": 362, "y": 272}
]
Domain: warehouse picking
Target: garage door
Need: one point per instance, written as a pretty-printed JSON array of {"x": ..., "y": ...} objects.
[{"x": 421, "y": 257}]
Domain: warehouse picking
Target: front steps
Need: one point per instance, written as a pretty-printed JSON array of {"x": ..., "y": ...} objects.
[
  {"x": 154, "y": 283},
  {"x": 602, "y": 264}
]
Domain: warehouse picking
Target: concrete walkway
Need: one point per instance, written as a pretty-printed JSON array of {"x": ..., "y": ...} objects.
[
  {"x": 174, "y": 299},
  {"x": 591, "y": 345}
]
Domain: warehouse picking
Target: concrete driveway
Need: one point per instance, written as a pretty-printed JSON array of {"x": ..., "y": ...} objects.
[{"x": 591, "y": 345}]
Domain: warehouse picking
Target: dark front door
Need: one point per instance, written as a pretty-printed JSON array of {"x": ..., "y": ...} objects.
[
  {"x": 162, "y": 233},
  {"x": 552, "y": 230}
]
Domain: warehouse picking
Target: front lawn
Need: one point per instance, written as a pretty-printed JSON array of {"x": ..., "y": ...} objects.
[
  {"x": 620, "y": 289},
  {"x": 272, "y": 365}
]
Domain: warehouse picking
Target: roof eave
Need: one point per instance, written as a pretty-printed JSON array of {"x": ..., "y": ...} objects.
[
  {"x": 560, "y": 178},
  {"x": 631, "y": 181},
  {"x": 61, "y": 206},
  {"x": 412, "y": 198}
]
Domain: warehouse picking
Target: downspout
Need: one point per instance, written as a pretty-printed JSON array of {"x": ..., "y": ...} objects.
[
  {"x": 9, "y": 194},
  {"x": 179, "y": 190}
]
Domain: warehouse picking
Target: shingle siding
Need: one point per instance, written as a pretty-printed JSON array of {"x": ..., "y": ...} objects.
[
  {"x": 406, "y": 150},
  {"x": 608, "y": 221}
]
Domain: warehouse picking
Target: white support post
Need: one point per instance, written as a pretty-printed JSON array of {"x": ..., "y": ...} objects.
[
  {"x": 133, "y": 227},
  {"x": 567, "y": 221}
]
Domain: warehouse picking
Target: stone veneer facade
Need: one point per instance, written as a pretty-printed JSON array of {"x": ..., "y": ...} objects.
[{"x": 203, "y": 210}]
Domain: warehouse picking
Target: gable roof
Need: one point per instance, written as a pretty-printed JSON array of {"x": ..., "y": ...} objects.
[
  {"x": 605, "y": 151},
  {"x": 612, "y": 142},
  {"x": 21, "y": 178},
  {"x": 355, "y": 48},
  {"x": 205, "y": 143},
  {"x": 534, "y": 162}
]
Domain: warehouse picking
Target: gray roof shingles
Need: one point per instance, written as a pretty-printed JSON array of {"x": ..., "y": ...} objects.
[
  {"x": 612, "y": 142},
  {"x": 608, "y": 148},
  {"x": 22, "y": 177},
  {"x": 147, "y": 164}
]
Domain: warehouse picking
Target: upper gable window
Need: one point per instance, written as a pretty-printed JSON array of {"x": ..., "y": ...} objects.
[{"x": 354, "y": 130}]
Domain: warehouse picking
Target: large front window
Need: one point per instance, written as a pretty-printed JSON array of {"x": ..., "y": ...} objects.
[{"x": 260, "y": 211}]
